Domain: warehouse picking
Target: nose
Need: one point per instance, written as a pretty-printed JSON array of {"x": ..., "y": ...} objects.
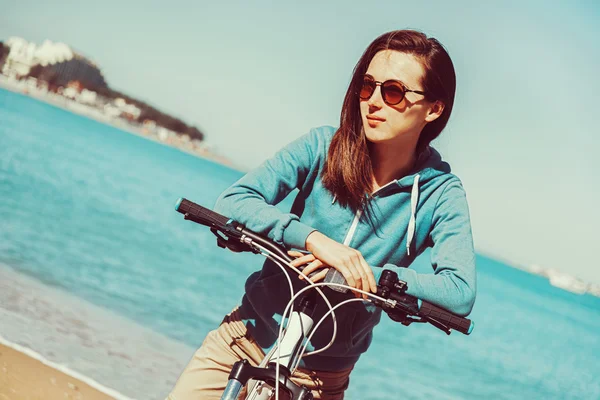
[{"x": 375, "y": 101}]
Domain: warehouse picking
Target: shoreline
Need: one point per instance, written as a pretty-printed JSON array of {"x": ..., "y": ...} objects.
[
  {"x": 27, "y": 374},
  {"x": 53, "y": 333},
  {"x": 173, "y": 140}
]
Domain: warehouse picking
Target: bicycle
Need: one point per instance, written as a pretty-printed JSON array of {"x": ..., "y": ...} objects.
[{"x": 272, "y": 376}]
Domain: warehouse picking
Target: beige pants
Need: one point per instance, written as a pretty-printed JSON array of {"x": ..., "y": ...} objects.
[{"x": 206, "y": 375}]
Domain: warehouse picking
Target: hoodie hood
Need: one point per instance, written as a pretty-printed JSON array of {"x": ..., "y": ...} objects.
[{"x": 429, "y": 165}]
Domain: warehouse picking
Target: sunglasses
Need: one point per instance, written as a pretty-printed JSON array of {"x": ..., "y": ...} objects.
[{"x": 392, "y": 91}]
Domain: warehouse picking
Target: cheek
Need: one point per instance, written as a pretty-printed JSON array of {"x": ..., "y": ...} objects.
[
  {"x": 407, "y": 118},
  {"x": 364, "y": 109}
]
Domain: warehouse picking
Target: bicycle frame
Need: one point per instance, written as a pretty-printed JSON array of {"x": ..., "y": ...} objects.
[{"x": 298, "y": 329}]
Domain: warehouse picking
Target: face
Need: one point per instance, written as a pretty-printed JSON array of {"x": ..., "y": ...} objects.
[{"x": 403, "y": 122}]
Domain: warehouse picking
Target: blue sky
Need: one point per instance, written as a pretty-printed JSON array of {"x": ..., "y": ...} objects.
[{"x": 522, "y": 137}]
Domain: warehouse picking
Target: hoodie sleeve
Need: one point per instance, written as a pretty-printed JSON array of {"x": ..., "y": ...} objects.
[
  {"x": 251, "y": 200},
  {"x": 453, "y": 284}
]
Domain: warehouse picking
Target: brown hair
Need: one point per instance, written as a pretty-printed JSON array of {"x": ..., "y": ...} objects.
[{"x": 348, "y": 171}]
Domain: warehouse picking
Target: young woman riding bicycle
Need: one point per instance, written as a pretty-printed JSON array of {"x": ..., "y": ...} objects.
[{"x": 372, "y": 193}]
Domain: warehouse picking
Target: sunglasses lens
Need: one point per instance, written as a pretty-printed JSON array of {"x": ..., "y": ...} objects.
[
  {"x": 368, "y": 87},
  {"x": 392, "y": 92}
]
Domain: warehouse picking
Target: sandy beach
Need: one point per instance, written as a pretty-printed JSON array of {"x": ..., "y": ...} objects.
[
  {"x": 54, "y": 345},
  {"x": 27, "y": 377}
]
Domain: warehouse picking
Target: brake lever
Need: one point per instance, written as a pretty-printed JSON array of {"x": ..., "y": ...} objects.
[
  {"x": 438, "y": 325},
  {"x": 226, "y": 242}
]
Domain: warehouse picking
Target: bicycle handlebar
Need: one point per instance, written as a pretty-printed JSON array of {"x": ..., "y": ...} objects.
[
  {"x": 234, "y": 236},
  {"x": 201, "y": 214},
  {"x": 453, "y": 321},
  {"x": 237, "y": 239}
]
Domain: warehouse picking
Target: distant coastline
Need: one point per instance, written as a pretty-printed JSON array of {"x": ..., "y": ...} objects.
[
  {"x": 58, "y": 75},
  {"x": 556, "y": 278},
  {"x": 164, "y": 136}
]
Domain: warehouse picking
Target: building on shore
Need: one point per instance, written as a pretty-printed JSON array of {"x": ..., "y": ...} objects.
[{"x": 23, "y": 55}]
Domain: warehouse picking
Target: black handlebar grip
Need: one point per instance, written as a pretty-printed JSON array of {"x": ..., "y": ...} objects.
[
  {"x": 452, "y": 321},
  {"x": 201, "y": 214}
]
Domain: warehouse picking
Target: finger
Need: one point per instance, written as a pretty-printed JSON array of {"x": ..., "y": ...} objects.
[
  {"x": 303, "y": 260},
  {"x": 360, "y": 274},
  {"x": 313, "y": 266},
  {"x": 294, "y": 253},
  {"x": 356, "y": 270},
  {"x": 319, "y": 276},
  {"x": 347, "y": 273},
  {"x": 364, "y": 280},
  {"x": 366, "y": 276},
  {"x": 370, "y": 277}
]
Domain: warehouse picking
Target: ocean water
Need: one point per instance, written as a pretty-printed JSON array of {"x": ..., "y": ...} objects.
[{"x": 100, "y": 274}]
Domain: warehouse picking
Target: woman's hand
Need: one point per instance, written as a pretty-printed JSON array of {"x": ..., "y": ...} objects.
[
  {"x": 303, "y": 259},
  {"x": 326, "y": 252}
]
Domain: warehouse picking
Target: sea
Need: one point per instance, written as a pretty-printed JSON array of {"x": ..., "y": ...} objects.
[{"x": 99, "y": 275}]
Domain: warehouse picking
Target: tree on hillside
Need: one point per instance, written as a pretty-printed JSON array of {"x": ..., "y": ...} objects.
[
  {"x": 47, "y": 75},
  {"x": 4, "y": 50},
  {"x": 151, "y": 113},
  {"x": 91, "y": 78}
]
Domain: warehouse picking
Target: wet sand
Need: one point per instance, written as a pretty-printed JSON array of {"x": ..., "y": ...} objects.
[
  {"x": 23, "y": 377},
  {"x": 56, "y": 335}
]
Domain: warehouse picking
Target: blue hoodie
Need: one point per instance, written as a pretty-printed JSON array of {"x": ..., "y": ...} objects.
[{"x": 427, "y": 208}]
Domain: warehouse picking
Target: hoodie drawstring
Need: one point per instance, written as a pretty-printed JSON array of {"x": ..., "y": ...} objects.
[{"x": 412, "y": 223}]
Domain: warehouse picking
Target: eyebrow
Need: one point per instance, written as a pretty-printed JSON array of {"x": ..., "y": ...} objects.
[{"x": 395, "y": 80}]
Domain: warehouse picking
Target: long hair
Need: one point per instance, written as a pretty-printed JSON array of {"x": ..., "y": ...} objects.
[{"x": 347, "y": 173}]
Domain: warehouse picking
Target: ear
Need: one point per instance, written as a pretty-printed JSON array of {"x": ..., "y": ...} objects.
[{"x": 437, "y": 108}]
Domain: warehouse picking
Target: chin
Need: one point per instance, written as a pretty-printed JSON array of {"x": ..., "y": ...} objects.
[{"x": 374, "y": 135}]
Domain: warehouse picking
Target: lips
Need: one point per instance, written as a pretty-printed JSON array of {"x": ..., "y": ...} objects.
[{"x": 375, "y": 118}]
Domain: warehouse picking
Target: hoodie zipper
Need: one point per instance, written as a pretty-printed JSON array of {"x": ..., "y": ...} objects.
[
  {"x": 352, "y": 230},
  {"x": 336, "y": 276}
]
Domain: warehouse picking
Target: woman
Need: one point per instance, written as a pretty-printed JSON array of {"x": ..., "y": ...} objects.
[{"x": 372, "y": 194}]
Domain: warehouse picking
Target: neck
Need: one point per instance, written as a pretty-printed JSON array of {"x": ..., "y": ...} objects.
[{"x": 391, "y": 162}]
